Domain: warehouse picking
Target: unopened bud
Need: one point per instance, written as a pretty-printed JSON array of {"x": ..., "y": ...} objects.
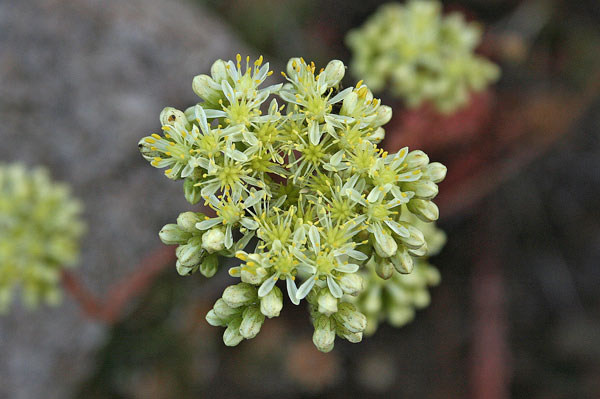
[
  {"x": 252, "y": 321},
  {"x": 214, "y": 320},
  {"x": 436, "y": 172},
  {"x": 224, "y": 311},
  {"x": 425, "y": 210},
  {"x": 239, "y": 295},
  {"x": 350, "y": 318},
  {"x": 213, "y": 240},
  {"x": 424, "y": 189},
  {"x": 415, "y": 237},
  {"x": 187, "y": 221},
  {"x": 324, "y": 335},
  {"x": 352, "y": 283},
  {"x": 416, "y": 160},
  {"x": 272, "y": 303},
  {"x": 190, "y": 254},
  {"x": 209, "y": 265},
  {"x": 170, "y": 116},
  {"x": 384, "y": 114},
  {"x": 232, "y": 336},
  {"x": 384, "y": 269},
  {"x": 334, "y": 72},
  {"x": 401, "y": 315},
  {"x": 385, "y": 246},
  {"x": 191, "y": 192},
  {"x": 172, "y": 234},
  {"x": 203, "y": 87},
  {"x": 328, "y": 304},
  {"x": 218, "y": 71},
  {"x": 403, "y": 262}
]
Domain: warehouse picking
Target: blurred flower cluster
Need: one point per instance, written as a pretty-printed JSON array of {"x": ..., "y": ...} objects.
[
  {"x": 301, "y": 193},
  {"x": 40, "y": 227},
  {"x": 394, "y": 300},
  {"x": 421, "y": 54}
]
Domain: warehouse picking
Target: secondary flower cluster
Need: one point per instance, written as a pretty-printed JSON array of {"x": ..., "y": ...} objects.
[
  {"x": 40, "y": 227},
  {"x": 422, "y": 54},
  {"x": 301, "y": 193}
]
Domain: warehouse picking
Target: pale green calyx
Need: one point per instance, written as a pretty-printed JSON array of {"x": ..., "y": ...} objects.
[
  {"x": 298, "y": 191},
  {"x": 40, "y": 228},
  {"x": 421, "y": 54}
]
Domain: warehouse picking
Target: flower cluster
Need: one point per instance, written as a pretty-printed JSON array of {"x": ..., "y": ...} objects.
[
  {"x": 40, "y": 228},
  {"x": 300, "y": 192},
  {"x": 421, "y": 54}
]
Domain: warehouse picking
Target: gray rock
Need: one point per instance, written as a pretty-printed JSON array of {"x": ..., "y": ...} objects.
[{"x": 82, "y": 81}]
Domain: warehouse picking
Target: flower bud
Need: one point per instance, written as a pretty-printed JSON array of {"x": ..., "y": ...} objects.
[
  {"x": 185, "y": 270},
  {"x": 384, "y": 114},
  {"x": 372, "y": 300},
  {"x": 415, "y": 238},
  {"x": 328, "y": 304},
  {"x": 334, "y": 72},
  {"x": 399, "y": 295},
  {"x": 384, "y": 269},
  {"x": 386, "y": 246},
  {"x": 436, "y": 172},
  {"x": 350, "y": 318},
  {"x": 255, "y": 276},
  {"x": 432, "y": 275},
  {"x": 214, "y": 320},
  {"x": 187, "y": 221},
  {"x": 403, "y": 262},
  {"x": 372, "y": 324},
  {"x": 203, "y": 87},
  {"x": 218, "y": 71},
  {"x": 252, "y": 321},
  {"x": 192, "y": 194},
  {"x": 292, "y": 64},
  {"x": 272, "y": 303},
  {"x": 213, "y": 240},
  {"x": 324, "y": 335},
  {"x": 425, "y": 210},
  {"x": 232, "y": 336},
  {"x": 349, "y": 104},
  {"x": 418, "y": 252},
  {"x": 170, "y": 116},
  {"x": 209, "y": 265},
  {"x": 401, "y": 315},
  {"x": 421, "y": 298},
  {"x": 416, "y": 160},
  {"x": 190, "y": 254},
  {"x": 424, "y": 189},
  {"x": 224, "y": 311},
  {"x": 172, "y": 234},
  {"x": 239, "y": 295},
  {"x": 377, "y": 135},
  {"x": 352, "y": 337},
  {"x": 352, "y": 283}
]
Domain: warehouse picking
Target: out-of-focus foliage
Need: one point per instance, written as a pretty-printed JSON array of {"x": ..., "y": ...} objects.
[
  {"x": 421, "y": 54},
  {"x": 40, "y": 227}
]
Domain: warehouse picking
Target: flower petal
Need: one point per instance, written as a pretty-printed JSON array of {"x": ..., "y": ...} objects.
[
  {"x": 305, "y": 288},
  {"x": 334, "y": 287},
  {"x": 267, "y": 285}
]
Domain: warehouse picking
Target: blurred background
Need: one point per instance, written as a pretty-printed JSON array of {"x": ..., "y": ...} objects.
[{"x": 517, "y": 314}]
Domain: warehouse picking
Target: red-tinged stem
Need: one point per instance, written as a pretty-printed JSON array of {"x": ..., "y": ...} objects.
[{"x": 112, "y": 307}]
